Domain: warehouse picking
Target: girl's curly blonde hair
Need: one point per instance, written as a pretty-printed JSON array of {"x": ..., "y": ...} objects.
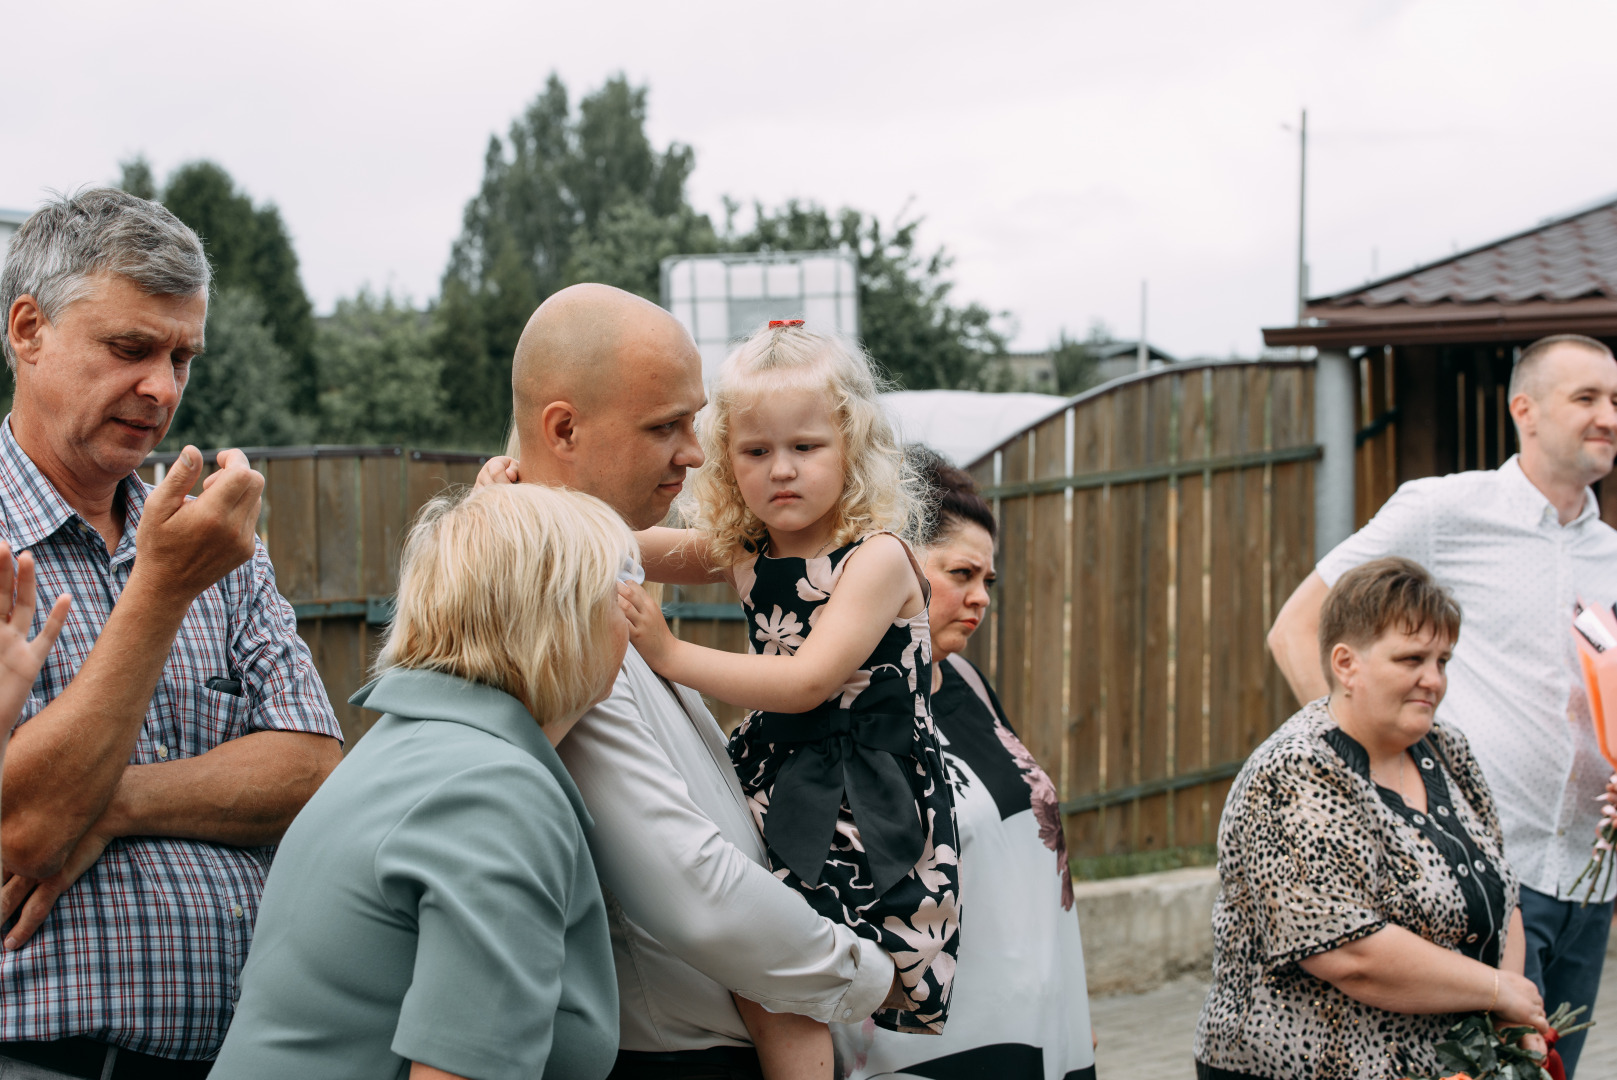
[{"x": 880, "y": 489}]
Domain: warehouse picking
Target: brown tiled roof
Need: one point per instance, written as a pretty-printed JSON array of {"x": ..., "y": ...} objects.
[
  {"x": 1568, "y": 259},
  {"x": 1559, "y": 276}
]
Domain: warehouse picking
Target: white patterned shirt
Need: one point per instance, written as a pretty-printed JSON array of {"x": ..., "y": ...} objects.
[{"x": 1515, "y": 686}]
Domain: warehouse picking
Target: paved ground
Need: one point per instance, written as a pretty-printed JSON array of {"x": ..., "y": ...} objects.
[{"x": 1147, "y": 1036}]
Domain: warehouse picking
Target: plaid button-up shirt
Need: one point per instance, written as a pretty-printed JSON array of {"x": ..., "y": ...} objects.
[{"x": 144, "y": 950}]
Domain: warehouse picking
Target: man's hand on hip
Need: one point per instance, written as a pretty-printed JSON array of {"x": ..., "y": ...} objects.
[{"x": 183, "y": 547}]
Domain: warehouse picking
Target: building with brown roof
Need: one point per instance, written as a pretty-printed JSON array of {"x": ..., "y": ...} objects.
[{"x": 1413, "y": 368}]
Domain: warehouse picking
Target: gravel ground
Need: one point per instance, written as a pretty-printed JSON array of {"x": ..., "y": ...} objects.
[{"x": 1148, "y": 1036}]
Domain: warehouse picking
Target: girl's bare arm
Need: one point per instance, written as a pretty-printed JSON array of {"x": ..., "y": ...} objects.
[
  {"x": 877, "y": 586},
  {"x": 677, "y": 557},
  {"x": 790, "y": 1047}
]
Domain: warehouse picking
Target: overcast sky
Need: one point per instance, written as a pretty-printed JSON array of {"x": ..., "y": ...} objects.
[{"x": 1063, "y": 152}]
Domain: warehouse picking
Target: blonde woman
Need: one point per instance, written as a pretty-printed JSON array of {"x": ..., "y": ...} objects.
[
  {"x": 433, "y": 912},
  {"x": 801, "y": 506}
]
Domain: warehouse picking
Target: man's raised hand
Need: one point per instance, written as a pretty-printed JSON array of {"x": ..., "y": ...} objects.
[
  {"x": 21, "y": 659},
  {"x": 183, "y": 546}
]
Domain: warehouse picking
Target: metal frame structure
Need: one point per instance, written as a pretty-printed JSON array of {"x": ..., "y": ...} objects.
[{"x": 844, "y": 301}]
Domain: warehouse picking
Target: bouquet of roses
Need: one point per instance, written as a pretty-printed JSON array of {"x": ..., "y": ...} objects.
[
  {"x": 1475, "y": 1050},
  {"x": 1595, "y": 632}
]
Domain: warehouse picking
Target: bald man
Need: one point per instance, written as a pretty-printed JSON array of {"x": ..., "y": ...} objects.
[
  {"x": 606, "y": 388},
  {"x": 1516, "y": 546}
]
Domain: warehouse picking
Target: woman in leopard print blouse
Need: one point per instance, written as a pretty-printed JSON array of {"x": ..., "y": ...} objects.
[{"x": 1365, "y": 900}]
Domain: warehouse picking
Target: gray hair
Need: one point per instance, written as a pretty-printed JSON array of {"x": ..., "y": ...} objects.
[{"x": 74, "y": 237}]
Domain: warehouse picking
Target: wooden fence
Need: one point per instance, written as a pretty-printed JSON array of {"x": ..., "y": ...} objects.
[
  {"x": 1149, "y": 531},
  {"x": 333, "y": 519}
]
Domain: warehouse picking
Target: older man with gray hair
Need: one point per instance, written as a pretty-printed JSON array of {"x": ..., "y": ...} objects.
[{"x": 179, "y": 724}]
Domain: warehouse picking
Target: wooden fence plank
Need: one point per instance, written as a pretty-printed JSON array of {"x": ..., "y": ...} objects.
[
  {"x": 337, "y": 541},
  {"x": 1010, "y": 644},
  {"x": 1227, "y": 588},
  {"x": 1043, "y": 728},
  {"x": 1121, "y": 831},
  {"x": 1087, "y": 736},
  {"x": 1155, "y": 653},
  {"x": 294, "y": 526},
  {"x": 1190, "y": 637},
  {"x": 384, "y": 523},
  {"x": 1252, "y": 613},
  {"x": 1291, "y": 542}
]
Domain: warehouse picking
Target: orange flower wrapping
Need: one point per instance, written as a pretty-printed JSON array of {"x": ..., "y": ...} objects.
[{"x": 1594, "y": 630}]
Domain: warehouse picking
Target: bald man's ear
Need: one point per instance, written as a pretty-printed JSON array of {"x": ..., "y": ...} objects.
[{"x": 558, "y": 428}]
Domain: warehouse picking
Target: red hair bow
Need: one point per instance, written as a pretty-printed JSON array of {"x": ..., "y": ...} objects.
[{"x": 776, "y": 324}]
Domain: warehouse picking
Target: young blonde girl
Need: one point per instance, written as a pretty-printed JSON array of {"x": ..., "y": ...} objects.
[{"x": 800, "y": 507}]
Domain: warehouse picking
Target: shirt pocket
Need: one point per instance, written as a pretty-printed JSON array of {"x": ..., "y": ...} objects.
[{"x": 215, "y": 715}]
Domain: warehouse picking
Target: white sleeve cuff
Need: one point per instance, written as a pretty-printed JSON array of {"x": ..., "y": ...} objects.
[{"x": 871, "y": 982}]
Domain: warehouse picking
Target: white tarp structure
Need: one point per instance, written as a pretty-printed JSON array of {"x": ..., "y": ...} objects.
[
  {"x": 963, "y": 425},
  {"x": 722, "y": 298}
]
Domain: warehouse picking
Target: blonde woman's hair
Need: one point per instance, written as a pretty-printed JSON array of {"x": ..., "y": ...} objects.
[
  {"x": 515, "y": 586},
  {"x": 880, "y": 489}
]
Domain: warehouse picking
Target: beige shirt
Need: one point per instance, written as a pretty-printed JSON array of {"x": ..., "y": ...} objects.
[{"x": 695, "y": 911}]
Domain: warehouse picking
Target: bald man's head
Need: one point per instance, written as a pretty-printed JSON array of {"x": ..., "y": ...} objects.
[
  {"x": 572, "y": 345},
  {"x": 606, "y": 386}
]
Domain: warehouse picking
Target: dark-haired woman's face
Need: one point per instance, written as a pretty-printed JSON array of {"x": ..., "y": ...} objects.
[{"x": 960, "y": 568}]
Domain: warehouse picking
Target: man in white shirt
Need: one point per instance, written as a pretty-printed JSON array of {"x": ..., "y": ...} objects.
[
  {"x": 606, "y": 389},
  {"x": 1516, "y": 547}
]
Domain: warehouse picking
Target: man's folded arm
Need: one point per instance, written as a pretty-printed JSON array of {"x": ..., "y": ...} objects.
[{"x": 699, "y": 895}]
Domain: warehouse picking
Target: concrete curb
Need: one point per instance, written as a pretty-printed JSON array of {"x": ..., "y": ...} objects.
[{"x": 1139, "y": 932}]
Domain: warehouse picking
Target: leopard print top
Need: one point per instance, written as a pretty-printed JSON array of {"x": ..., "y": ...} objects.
[{"x": 1313, "y": 856}]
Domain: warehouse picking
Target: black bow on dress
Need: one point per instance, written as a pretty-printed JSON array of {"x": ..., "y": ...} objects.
[{"x": 863, "y": 755}]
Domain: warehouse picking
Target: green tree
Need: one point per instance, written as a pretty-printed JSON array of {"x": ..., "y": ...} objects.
[
  {"x": 1077, "y": 362},
  {"x": 240, "y": 388},
  {"x": 566, "y": 196},
  {"x": 138, "y": 179},
  {"x": 249, "y": 249},
  {"x": 627, "y": 246},
  {"x": 906, "y": 317},
  {"x": 380, "y": 380}
]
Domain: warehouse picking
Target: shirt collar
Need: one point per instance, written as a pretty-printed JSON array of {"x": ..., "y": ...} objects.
[
  {"x": 33, "y": 509},
  {"x": 418, "y": 694},
  {"x": 1532, "y": 504}
]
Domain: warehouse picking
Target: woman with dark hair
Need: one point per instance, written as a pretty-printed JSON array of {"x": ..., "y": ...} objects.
[{"x": 1020, "y": 1009}]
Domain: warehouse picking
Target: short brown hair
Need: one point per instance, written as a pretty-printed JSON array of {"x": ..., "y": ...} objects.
[
  {"x": 1382, "y": 593},
  {"x": 514, "y": 586},
  {"x": 1523, "y": 375}
]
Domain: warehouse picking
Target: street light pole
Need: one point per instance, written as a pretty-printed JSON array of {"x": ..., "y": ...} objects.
[
  {"x": 1142, "y": 352},
  {"x": 1302, "y": 217}
]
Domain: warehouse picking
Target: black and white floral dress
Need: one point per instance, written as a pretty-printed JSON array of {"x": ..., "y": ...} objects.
[{"x": 851, "y": 796}]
